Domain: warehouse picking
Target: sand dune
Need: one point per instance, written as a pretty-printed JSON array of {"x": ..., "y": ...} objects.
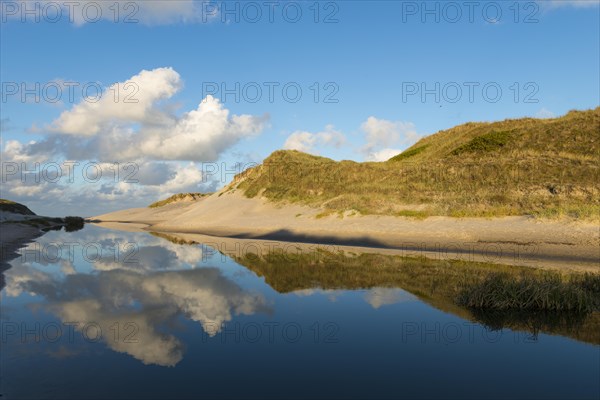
[{"x": 148, "y": 216}]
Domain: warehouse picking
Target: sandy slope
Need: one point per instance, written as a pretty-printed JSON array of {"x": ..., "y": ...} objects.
[
  {"x": 149, "y": 216},
  {"x": 515, "y": 240}
]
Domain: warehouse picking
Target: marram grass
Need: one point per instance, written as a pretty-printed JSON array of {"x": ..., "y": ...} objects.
[{"x": 548, "y": 292}]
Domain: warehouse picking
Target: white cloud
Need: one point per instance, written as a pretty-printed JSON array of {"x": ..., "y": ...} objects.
[
  {"x": 544, "y": 113},
  {"x": 382, "y": 155},
  {"x": 200, "y": 135},
  {"x": 118, "y": 131},
  {"x": 89, "y": 118},
  {"x": 310, "y": 142},
  {"x": 184, "y": 179},
  {"x": 32, "y": 179},
  {"x": 381, "y": 137},
  {"x": 301, "y": 141},
  {"x": 15, "y": 151},
  {"x": 381, "y": 134}
]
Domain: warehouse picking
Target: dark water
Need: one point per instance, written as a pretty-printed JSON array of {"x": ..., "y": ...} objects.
[{"x": 100, "y": 313}]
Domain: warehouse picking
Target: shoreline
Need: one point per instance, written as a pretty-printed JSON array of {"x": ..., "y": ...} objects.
[
  {"x": 507, "y": 240},
  {"x": 13, "y": 238},
  {"x": 238, "y": 244}
]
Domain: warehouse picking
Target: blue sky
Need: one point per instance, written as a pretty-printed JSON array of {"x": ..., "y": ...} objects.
[{"x": 370, "y": 61}]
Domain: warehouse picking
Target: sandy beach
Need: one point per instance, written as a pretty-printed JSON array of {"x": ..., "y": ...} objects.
[{"x": 508, "y": 240}]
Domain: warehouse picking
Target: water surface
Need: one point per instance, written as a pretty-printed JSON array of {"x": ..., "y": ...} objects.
[{"x": 101, "y": 313}]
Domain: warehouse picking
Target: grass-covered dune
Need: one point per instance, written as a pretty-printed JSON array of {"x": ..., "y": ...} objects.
[
  {"x": 14, "y": 207},
  {"x": 528, "y": 166},
  {"x": 17, "y": 213},
  {"x": 177, "y": 198}
]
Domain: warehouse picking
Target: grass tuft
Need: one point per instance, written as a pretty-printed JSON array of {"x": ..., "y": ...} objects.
[{"x": 502, "y": 292}]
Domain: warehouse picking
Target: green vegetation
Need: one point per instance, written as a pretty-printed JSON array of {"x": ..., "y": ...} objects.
[
  {"x": 413, "y": 151},
  {"x": 44, "y": 223},
  {"x": 516, "y": 297},
  {"x": 178, "y": 197},
  {"x": 74, "y": 223},
  {"x": 412, "y": 214},
  {"x": 484, "y": 143},
  {"x": 543, "y": 167},
  {"x": 13, "y": 207}
]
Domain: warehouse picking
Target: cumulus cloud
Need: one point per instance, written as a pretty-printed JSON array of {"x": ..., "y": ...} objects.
[
  {"x": 201, "y": 135},
  {"x": 15, "y": 151},
  {"x": 137, "y": 187},
  {"x": 311, "y": 142},
  {"x": 381, "y": 135},
  {"x": 136, "y": 128},
  {"x": 110, "y": 130},
  {"x": 382, "y": 155},
  {"x": 381, "y": 132},
  {"x": 383, "y": 139},
  {"x": 144, "y": 297},
  {"x": 125, "y": 102}
]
